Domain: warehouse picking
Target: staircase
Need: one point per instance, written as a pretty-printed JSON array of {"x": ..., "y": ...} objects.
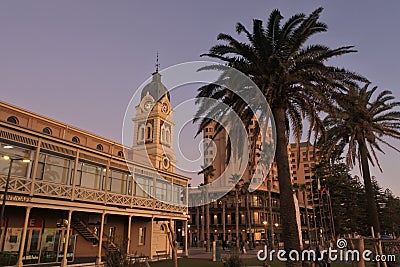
[{"x": 84, "y": 230}]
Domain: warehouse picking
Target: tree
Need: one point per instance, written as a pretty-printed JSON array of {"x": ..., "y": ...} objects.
[
  {"x": 235, "y": 178},
  {"x": 303, "y": 189},
  {"x": 293, "y": 78},
  {"x": 208, "y": 172},
  {"x": 245, "y": 191},
  {"x": 360, "y": 124}
]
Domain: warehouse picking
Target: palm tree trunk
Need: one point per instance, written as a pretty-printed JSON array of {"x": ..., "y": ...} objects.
[
  {"x": 249, "y": 218},
  {"x": 270, "y": 219},
  {"x": 208, "y": 227},
  {"x": 372, "y": 210},
  {"x": 202, "y": 225},
  {"x": 197, "y": 226},
  {"x": 307, "y": 218},
  {"x": 314, "y": 216},
  {"x": 291, "y": 236},
  {"x": 223, "y": 221},
  {"x": 237, "y": 220}
]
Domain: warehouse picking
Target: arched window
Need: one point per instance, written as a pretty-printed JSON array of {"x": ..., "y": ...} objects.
[
  {"x": 163, "y": 134},
  {"x": 12, "y": 120},
  {"x": 99, "y": 147},
  {"x": 47, "y": 130},
  {"x": 167, "y": 136},
  {"x": 75, "y": 140},
  {"x": 149, "y": 131},
  {"x": 120, "y": 154},
  {"x": 141, "y": 133}
]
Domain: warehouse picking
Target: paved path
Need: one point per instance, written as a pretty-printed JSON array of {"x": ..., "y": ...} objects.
[{"x": 201, "y": 253}]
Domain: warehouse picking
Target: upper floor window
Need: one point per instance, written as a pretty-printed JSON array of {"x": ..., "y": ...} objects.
[
  {"x": 12, "y": 120},
  {"x": 99, "y": 147},
  {"x": 47, "y": 130},
  {"x": 75, "y": 140},
  {"x": 120, "y": 154}
]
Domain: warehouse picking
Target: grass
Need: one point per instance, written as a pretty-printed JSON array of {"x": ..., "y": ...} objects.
[{"x": 191, "y": 262}]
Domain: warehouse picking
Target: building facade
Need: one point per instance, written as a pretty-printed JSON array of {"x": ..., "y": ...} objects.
[
  {"x": 259, "y": 211},
  {"x": 82, "y": 196}
]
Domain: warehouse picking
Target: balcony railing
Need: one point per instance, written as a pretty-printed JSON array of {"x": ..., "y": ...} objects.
[{"x": 23, "y": 186}]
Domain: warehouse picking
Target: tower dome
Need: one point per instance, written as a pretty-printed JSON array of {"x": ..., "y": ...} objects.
[{"x": 155, "y": 88}]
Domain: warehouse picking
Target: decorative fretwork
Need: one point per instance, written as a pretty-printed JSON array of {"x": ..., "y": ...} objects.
[
  {"x": 91, "y": 195},
  {"x": 51, "y": 189},
  {"x": 57, "y": 148},
  {"x": 17, "y": 137},
  {"x": 142, "y": 202},
  {"x": 22, "y": 187},
  {"x": 118, "y": 199},
  {"x": 16, "y": 185}
]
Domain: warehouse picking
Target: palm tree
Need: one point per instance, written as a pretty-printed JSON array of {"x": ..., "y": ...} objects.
[
  {"x": 303, "y": 189},
  {"x": 295, "y": 81},
  {"x": 362, "y": 123},
  {"x": 235, "y": 178},
  {"x": 245, "y": 191},
  {"x": 208, "y": 172}
]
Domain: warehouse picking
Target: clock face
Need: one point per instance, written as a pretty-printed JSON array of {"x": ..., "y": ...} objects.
[
  {"x": 147, "y": 105},
  {"x": 165, "y": 107}
]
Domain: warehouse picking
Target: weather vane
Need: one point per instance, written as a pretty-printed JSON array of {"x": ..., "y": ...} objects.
[{"x": 157, "y": 64}]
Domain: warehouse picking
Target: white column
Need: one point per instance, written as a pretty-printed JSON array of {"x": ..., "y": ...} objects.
[
  {"x": 151, "y": 238},
  {"x": 98, "y": 259},
  {"x": 64, "y": 260},
  {"x": 128, "y": 245},
  {"x": 186, "y": 253},
  {"x": 23, "y": 238}
]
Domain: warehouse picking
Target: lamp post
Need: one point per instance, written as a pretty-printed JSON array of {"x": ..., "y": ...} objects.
[{"x": 3, "y": 205}]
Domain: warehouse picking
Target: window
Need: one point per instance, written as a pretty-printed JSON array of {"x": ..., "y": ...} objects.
[
  {"x": 141, "y": 133},
  {"x": 120, "y": 154},
  {"x": 117, "y": 182},
  {"x": 143, "y": 185},
  {"x": 99, "y": 147},
  {"x": 19, "y": 168},
  {"x": 142, "y": 235},
  {"x": 90, "y": 176},
  {"x": 47, "y": 130},
  {"x": 75, "y": 140},
  {"x": 53, "y": 168},
  {"x": 12, "y": 120},
  {"x": 148, "y": 131}
]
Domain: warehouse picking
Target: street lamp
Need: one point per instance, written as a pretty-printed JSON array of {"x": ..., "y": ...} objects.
[{"x": 3, "y": 205}]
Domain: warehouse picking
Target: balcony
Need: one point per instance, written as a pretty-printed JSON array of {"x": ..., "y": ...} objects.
[{"x": 22, "y": 189}]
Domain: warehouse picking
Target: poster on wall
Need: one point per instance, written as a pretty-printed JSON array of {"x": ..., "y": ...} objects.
[
  {"x": 48, "y": 239},
  {"x": 13, "y": 239}
]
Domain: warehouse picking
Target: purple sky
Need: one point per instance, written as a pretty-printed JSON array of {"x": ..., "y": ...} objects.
[{"x": 80, "y": 62}]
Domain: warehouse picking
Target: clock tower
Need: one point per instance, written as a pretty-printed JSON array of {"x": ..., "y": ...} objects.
[{"x": 154, "y": 125}]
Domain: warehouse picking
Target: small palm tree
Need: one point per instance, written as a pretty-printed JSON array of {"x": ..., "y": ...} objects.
[
  {"x": 360, "y": 125},
  {"x": 208, "y": 172}
]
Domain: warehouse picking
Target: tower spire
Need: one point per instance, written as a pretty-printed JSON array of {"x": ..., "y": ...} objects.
[{"x": 157, "y": 64}]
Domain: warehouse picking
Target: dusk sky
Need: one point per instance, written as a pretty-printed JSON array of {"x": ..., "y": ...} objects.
[{"x": 80, "y": 62}]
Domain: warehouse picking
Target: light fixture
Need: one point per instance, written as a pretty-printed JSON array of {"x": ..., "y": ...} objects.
[
  {"x": 6, "y": 157},
  {"x": 276, "y": 224},
  {"x": 26, "y": 160},
  {"x": 265, "y": 222},
  {"x": 8, "y": 146}
]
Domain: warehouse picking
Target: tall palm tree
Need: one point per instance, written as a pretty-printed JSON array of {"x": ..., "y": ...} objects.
[
  {"x": 362, "y": 124},
  {"x": 294, "y": 79},
  {"x": 303, "y": 189},
  {"x": 235, "y": 178},
  {"x": 245, "y": 191},
  {"x": 208, "y": 172}
]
